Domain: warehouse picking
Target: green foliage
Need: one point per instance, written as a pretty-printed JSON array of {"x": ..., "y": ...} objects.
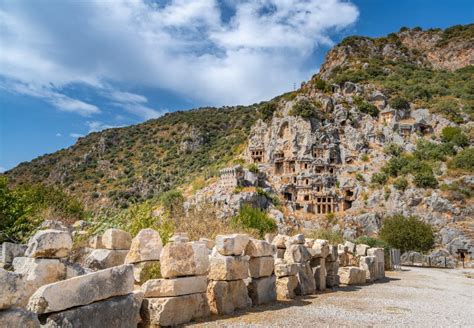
[
  {"x": 151, "y": 271},
  {"x": 366, "y": 107},
  {"x": 399, "y": 103},
  {"x": 266, "y": 110},
  {"x": 458, "y": 190},
  {"x": 371, "y": 241},
  {"x": 455, "y": 136},
  {"x": 320, "y": 84},
  {"x": 463, "y": 160},
  {"x": 407, "y": 233},
  {"x": 364, "y": 158},
  {"x": 400, "y": 183},
  {"x": 379, "y": 178},
  {"x": 334, "y": 237},
  {"x": 393, "y": 149},
  {"x": 303, "y": 108},
  {"x": 253, "y": 168},
  {"x": 426, "y": 150},
  {"x": 254, "y": 218},
  {"x": 425, "y": 179},
  {"x": 273, "y": 198},
  {"x": 172, "y": 200},
  {"x": 449, "y": 108},
  {"x": 139, "y": 216},
  {"x": 359, "y": 177}
]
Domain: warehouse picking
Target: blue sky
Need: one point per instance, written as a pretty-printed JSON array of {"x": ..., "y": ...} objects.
[{"x": 68, "y": 68}]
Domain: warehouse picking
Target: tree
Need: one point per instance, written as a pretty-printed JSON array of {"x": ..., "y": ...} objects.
[
  {"x": 399, "y": 103},
  {"x": 407, "y": 233},
  {"x": 454, "y": 135}
]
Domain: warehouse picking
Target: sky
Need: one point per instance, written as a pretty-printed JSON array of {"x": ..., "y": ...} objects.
[{"x": 71, "y": 67}]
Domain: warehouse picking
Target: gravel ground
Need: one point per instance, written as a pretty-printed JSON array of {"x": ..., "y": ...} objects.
[{"x": 414, "y": 297}]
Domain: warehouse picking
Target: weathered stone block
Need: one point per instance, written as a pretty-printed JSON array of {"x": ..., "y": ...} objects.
[
  {"x": 368, "y": 264},
  {"x": 82, "y": 290},
  {"x": 297, "y": 254},
  {"x": 361, "y": 249},
  {"x": 280, "y": 253},
  {"x": 286, "y": 269},
  {"x": 379, "y": 260},
  {"x": 11, "y": 250},
  {"x": 351, "y": 276},
  {"x": 173, "y": 311},
  {"x": 49, "y": 244},
  {"x": 119, "y": 311},
  {"x": 234, "y": 244},
  {"x": 332, "y": 281},
  {"x": 285, "y": 287},
  {"x": 319, "y": 273},
  {"x": 146, "y": 246},
  {"x": 333, "y": 255},
  {"x": 100, "y": 259},
  {"x": 262, "y": 290},
  {"x": 175, "y": 287},
  {"x": 306, "y": 283},
  {"x": 184, "y": 259},
  {"x": 13, "y": 290},
  {"x": 228, "y": 267},
  {"x": 227, "y": 296},
  {"x": 351, "y": 247},
  {"x": 179, "y": 237},
  {"x": 39, "y": 271},
  {"x": 261, "y": 266},
  {"x": 332, "y": 267},
  {"x": 344, "y": 259},
  {"x": 280, "y": 241},
  {"x": 18, "y": 318},
  {"x": 208, "y": 242},
  {"x": 258, "y": 248},
  {"x": 144, "y": 271},
  {"x": 116, "y": 239},
  {"x": 96, "y": 242}
]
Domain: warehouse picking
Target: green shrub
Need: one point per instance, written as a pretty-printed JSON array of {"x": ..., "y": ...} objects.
[
  {"x": 463, "y": 160},
  {"x": 400, "y": 183},
  {"x": 425, "y": 179},
  {"x": 393, "y": 149},
  {"x": 172, "y": 200},
  {"x": 379, "y": 178},
  {"x": 395, "y": 165},
  {"x": 334, "y": 237},
  {"x": 266, "y": 110},
  {"x": 370, "y": 241},
  {"x": 320, "y": 84},
  {"x": 253, "y": 168},
  {"x": 364, "y": 158},
  {"x": 455, "y": 136},
  {"x": 426, "y": 150},
  {"x": 399, "y": 103},
  {"x": 254, "y": 218},
  {"x": 367, "y": 108},
  {"x": 303, "y": 108},
  {"x": 407, "y": 233}
]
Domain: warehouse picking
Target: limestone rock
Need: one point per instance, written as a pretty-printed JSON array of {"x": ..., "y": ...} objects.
[
  {"x": 175, "y": 287},
  {"x": 333, "y": 255},
  {"x": 13, "y": 290},
  {"x": 286, "y": 269},
  {"x": 319, "y": 273},
  {"x": 261, "y": 266},
  {"x": 285, "y": 287},
  {"x": 179, "y": 237},
  {"x": 258, "y": 248},
  {"x": 82, "y": 290},
  {"x": 228, "y": 267},
  {"x": 227, "y": 296},
  {"x": 100, "y": 259},
  {"x": 233, "y": 244},
  {"x": 351, "y": 247},
  {"x": 208, "y": 242},
  {"x": 144, "y": 271},
  {"x": 96, "y": 242},
  {"x": 50, "y": 244},
  {"x": 74, "y": 269},
  {"x": 320, "y": 248},
  {"x": 297, "y": 239},
  {"x": 361, "y": 249},
  {"x": 379, "y": 261},
  {"x": 39, "y": 271},
  {"x": 280, "y": 241},
  {"x": 280, "y": 253},
  {"x": 119, "y": 311},
  {"x": 368, "y": 264},
  {"x": 262, "y": 290},
  {"x": 351, "y": 276},
  {"x": 297, "y": 253},
  {"x": 11, "y": 250},
  {"x": 146, "y": 246},
  {"x": 173, "y": 311},
  {"x": 18, "y": 318},
  {"x": 116, "y": 239},
  {"x": 184, "y": 259},
  {"x": 306, "y": 283}
]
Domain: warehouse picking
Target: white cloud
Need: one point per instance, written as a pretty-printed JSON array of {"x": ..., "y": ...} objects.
[
  {"x": 181, "y": 46},
  {"x": 58, "y": 134},
  {"x": 133, "y": 103},
  {"x": 2, "y": 169},
  {"x": 76, "y": 135},
  {"x": 96, "y": 126}
]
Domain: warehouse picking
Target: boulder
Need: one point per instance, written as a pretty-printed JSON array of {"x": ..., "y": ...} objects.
[
  {"x": 319, "y": 273},
  {"x": 96, "y": 242},
  {"x": 179, "y": 237},
  {"x": 100, "y": 259},
  {"x": 227, "y": 296},
  {"x": 320, "y": 248},
  {"x": 74, "y": 269},
  {"x": 233, "y": 244},
  {"x": 285, "y": 287},
  {"x": 286, "y": 269},
  {"x": 184, "y": 259},
  {"x": 49, "y": 244},
  {"x": 297, "y": 239},
  {"x": 208, "y": 242},
  {"x": 54, "y": 225},
  {"x": 82, "y": 290},
  {"x": 116, "y": 239},
  {"x": 280, "y": 241},
  {"x": 258, "y": 248},
  {"x": 11, "y": 250},
  {"x": 306, "y": 283},
  {"x": 39, "y": 272},
  {"x": 13, "y": 290},
  {"x": 297, "y": 253},
  {"x": 228, "y": 267},
  {"x": 269, "y": 237},
  {"x": 361, "y": 249},
  {"x": 146, "y": 246},
  {"x": 175, "y": 287},
  {"x": 332, "y": 281},
  {"x": 262, "y": 290},
  {"x": 261, "y": 266},
  {"x": 351, "y": 247},
  {"x": 351, "y": 276},
  {"x": 144, "y": 271},
  {"x": 173, "y": 311},
  {"x": 368, "y": 264},
  {"x": 18, "y": 318},
  {"x": 119, "y": 312}
]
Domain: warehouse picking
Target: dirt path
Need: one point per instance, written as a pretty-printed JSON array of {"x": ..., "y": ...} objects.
[{"x": 415, "y": 297}]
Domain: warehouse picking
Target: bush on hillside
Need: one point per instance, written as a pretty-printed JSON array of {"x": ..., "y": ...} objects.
[
  {"x": 303, "y": 108},
  {"x": 334, "y": 237},
  {"x": 400, "y": 183},
  {"x": 455, "y": 136},
  {"x": 464, "y": 160},
  {"x": 254, "y": 219},
  {"x": 399, "y": 103}
]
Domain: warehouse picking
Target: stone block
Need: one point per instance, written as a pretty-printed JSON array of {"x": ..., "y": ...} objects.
[
  {"x": 351, "y": 247},
  {"x": 144, "y": 271},
  {"x": 100, "y": 259},
  {"x": 227, "y": 296},
  {"x": 174, "y": 311},
  {"x": 146, "y": 246},
  {"x": 368, "y": 264},
  {"x": 174, "y": 287},
  {"x": 179, "y": 237},
  {"x": 74, "y": 269},
  {"x": 116, "y": 239},
  {"x": 342, "y": 249},
  {"x": 269, "y": 237},
  {"x": 11, "y": 250},
  {"x": 119, "y": 312},
  {"x": 344, "y": 259},
  {"x": 184, "y": 259},
  {"x": 82, "y": 290},
  {"x": 286, "y": 269},
  {"x": 297, "y": 253},
  {"x": 18, "y": 318},
  {"x": 261, "y": 266},
  {"x": 49, "y": 244},
  {"x": 332, "y": 281},
  {"x": 39, "y": 272},
  {"x": 351, "y": 276},
  {"x": 379, "y": 260},
  {"x": 228, "y": 267},
  {"x": 280, "y": 253},
  {"x": 297, "y": 239},
  {"x": 333, "y": 254},
  {"x": 208, "y": 242},
  {"x": 361, "y": 249},
  {"x": 96, "y": 242},
  {"x": 14, "y": 291},
  {"x": 332, "y": 267},
  {"x": 309, "y": 242},
  {"x": 280, "y": 241},
  {"x": 258, "y": 248},
  {"x": 306, "y": 283},
  {"x": 262, "y": 290},
  {"x": 319, "y": 273},
  {"x": 234, "y": 244},
  {"x": 285, "y": 287}
]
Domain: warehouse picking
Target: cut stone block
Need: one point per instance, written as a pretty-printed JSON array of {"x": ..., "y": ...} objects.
[
  {"x": 100, "y": 259},
  {"x": 285, "y": 287},
  {"x": 320, "y": 248},
  {"x": 261, "y": 266},
  {"x": 332, "y": 267},
  {"x": 49, "y": 244},
  {"x": 351, "y": 276},
  {"x": 368, "y": 264},
  {"x": 351, "y": 247},
  {"x": 179, "y": 237},
  {"x": 11, "y": 250},
  {"x": 234, "y": 244},
  {"x": 39, "y": 272},
  {"x": 74, "y": 269},
  {"x": 173, "y": 311},
  {"x": 361, "y": 249},
  {"x": 262, "y": 290},
  {"x": 18, "y": 318},
  {"x": 280, "y": 241},
  {"x": 96, "y": 242},
  {"x": 228, "y": 267},
  {"x": 269, "y": 237},
  {"x": 13, "y": 290},
  {"x": 344, "y": 259},
  {"x": 175, "y": 287},
  {"x": 146, "y": 246},
  {"x": 144, "y": 271},
  {"x": 297, "y": 239},
  {"x": 184, "y": 259},
  {"x": 119, "y": 311},
  {"x": 380, "y": 261},
  {"x": 332, "y": 281},
  {"x": 280, "y": 253},
  {"x": 297, "y": 254},
  {"x": 306, "y": 283},
  {"x": 116, "y": 239},
  {"x": 82, "y": 290},
  {"x": 309, "y": 242},
  {"x": 227, "y": 296},
  {"x": 286, "y": 269},
  {"x": 208, "y": 242},
  {"x": 333, "y": 254},
  {"x": 258, "y": 248},
  {"x": 319, "y": 273}
]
